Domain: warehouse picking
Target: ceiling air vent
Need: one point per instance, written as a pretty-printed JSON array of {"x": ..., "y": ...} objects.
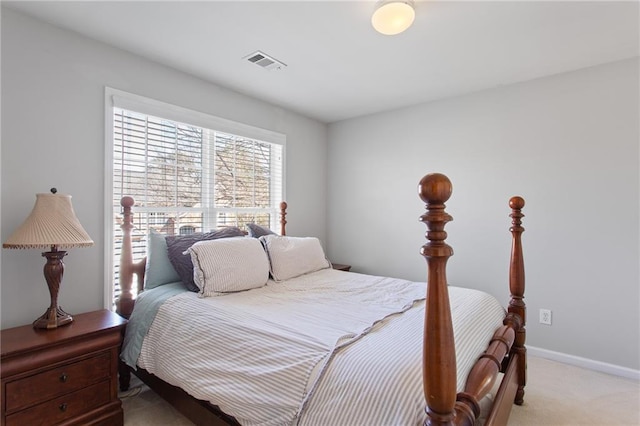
[{"x": 265, "y": 61}]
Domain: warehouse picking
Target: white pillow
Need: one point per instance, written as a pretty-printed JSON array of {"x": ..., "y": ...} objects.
[
  {"x": 228, "y": 265},
  {"x": 294, "y": 256}
]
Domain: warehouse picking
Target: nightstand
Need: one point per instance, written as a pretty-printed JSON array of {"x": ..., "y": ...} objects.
[
  {"x": 66, "y": 375},
  {"x": 341, "y": 267}
]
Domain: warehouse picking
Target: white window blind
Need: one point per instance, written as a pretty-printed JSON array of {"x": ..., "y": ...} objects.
[{"x": 186, "y": 178}]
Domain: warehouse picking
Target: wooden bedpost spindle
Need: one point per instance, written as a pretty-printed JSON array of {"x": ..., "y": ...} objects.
[
  {"x": 516, "y": 286},
  {"x": 125, "y": 302},
  {"x": 283, "y": 220},
  {"x": 439, "y": 358}
]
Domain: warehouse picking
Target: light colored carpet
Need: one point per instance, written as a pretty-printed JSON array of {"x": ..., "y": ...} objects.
[
  {"x": 563, "y": 395},
  {"x": 556, "y": 395}
]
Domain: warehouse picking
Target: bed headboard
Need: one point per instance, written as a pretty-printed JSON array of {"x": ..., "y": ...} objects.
[{"x": 129, "y": 268}]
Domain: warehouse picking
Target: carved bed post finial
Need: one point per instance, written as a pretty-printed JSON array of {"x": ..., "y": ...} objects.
[
  {"x": 439, "y": 359},
  {"x": 283, "y": 220},
  {"x": 517, "y": 306}
]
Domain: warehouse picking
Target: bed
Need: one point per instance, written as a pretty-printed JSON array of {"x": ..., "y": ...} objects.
[{"x": 316, "y": 346}]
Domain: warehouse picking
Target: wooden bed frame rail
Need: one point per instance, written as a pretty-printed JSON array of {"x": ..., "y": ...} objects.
[{"x": 505, "y": 354}]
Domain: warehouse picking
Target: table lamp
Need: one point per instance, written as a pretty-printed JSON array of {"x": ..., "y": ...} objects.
[{"x": 52, "y": 224}]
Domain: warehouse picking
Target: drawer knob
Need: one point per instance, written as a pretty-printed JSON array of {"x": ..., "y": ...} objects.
[
  {"x": 63, "y": 406},
  {"x": 63, "y": 377}
]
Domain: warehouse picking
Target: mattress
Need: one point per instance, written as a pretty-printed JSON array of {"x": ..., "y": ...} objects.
[{"x": 330, "y": 347}]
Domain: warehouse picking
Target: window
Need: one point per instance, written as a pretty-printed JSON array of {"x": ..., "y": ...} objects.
[
  {"x": 187, "y": 230},
  {"x": 157, "y": 218},
  {"x": 188, "y": 172}
]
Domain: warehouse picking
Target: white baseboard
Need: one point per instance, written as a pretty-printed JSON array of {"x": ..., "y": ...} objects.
[{"x": 590, "y": 364}]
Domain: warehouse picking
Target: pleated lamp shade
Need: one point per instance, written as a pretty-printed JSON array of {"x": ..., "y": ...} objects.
[{"x": 52, "y": 222}]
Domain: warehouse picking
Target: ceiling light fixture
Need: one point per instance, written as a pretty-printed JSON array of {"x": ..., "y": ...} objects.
[{"x": 392, "y": 17}]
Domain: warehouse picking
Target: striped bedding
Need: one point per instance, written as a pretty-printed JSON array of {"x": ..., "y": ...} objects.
[{"x": 327, "y": 348}]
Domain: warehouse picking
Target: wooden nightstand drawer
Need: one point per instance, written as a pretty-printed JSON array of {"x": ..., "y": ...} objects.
[
  {"x": 64, "y": 407},
  {"x": 56, "y": 382},
  {"x": 63, "y": 376}
]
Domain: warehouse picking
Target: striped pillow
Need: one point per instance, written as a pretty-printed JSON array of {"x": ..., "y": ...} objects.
[
  {"x": 294, "y": 256},
  {"x": 229, "y": 265},
  {"x": 177, "y": 246}
]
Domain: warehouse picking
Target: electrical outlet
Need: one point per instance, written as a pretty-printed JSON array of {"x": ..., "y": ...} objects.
[{"x": 545, "y": 316}]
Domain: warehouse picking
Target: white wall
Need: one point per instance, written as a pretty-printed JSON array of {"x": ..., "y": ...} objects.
[
  {"x": 53, "y": 135},
  {"x": 567, "y": 143}
]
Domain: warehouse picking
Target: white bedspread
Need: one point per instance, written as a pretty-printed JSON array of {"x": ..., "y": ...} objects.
[{"x": 327, "y": 348}]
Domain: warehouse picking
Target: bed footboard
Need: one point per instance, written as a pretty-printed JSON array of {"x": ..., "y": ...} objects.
[{"x": 506, "y": 352}]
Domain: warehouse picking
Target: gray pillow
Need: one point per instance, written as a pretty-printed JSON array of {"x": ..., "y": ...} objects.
[
  {"x": 257, "y": 231},
  {"x": 177, "y": 245}
]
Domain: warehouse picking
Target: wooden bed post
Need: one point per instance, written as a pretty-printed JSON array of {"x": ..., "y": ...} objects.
[
  {"x": 444, "y": 405},
  {"x": 124, "y": 304},
  {"x": 439, "y": 358},
  {"x": 517, "y": 306},
  {"x": 283, "y": 220}
]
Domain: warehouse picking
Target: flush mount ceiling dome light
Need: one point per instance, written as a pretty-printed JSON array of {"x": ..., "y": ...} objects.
[{"x": 393, "y": 16}]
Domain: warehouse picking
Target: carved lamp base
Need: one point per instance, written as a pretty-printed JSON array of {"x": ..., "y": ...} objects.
[{"x": 53, "y": 318}]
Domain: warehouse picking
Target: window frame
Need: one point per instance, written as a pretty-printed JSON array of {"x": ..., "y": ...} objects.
[{"x": 121, "y": 99}]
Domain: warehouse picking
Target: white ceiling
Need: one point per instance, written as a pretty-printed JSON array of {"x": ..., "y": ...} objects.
[{"x": 338, "y": 66}]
